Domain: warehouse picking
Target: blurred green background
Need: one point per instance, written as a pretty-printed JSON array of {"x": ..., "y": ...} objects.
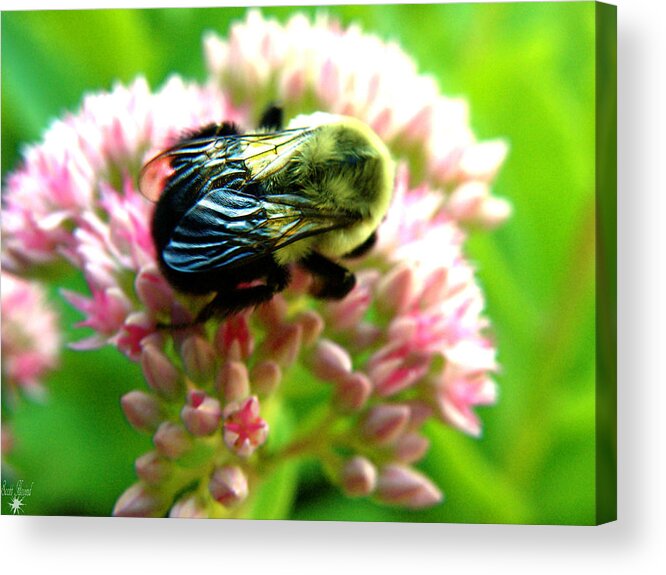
[{"x": 528, "y": 72}]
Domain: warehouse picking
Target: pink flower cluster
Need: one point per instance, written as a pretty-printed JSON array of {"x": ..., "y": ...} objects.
[
  {"x": 407, "y": 344},
  {"x": 81, "y": 164},
  {"x": 30, "y": 336}
]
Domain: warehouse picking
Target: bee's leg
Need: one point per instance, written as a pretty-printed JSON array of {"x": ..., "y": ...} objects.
[
  {"x": 228, "y": 302},
  {"x": 364, "y": 248},
  {"x": 332, "y": 281},
  {"x": 272, "y": 118}
]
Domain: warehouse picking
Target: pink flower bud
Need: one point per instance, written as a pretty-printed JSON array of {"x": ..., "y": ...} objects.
[
  {"x": 434, "y": 288},
  {"x": 330, "y": 361},
  {"x": 139, "y": 501},
  {"x": 152, "y": 468},
  {"x": 273, "y": 312},
  {"x": 381, "y": 123},
  {"x": 129, "y": 339},
  {"x": 160, "y": 373},
  {"x": 153, "y": 290},
  {"x": 292, "y": 86},
  {"x": 189, "y": 507},
  {"x": 420, "y": 125},
  {"x": 328, "y": 87},
  {"x": 419, "y": 413},
  {"x": 232, "y": 382},
  {"x": 201, "y": 415},
  {"x": 266, "y": 376},
  {"x": 228, "y": 485},
  {"x": 244, "y": 429},
  {"x": 157, "y": 339},
  {"x": 482, "y": 159},
  {"x": 142, "y": 410},
  {"x": 396, "y": 290},
  {"x": 410, "y": 447},
  {"x": 494, "y": 212},
  {"x": 400, "y": 485},
  {"x": 198, "y": 358},
  {"x": 312, "y": 325},
  {"x": 403, "y": 329},
  {"x": 352, "y": 391},
  {"x": 347, "y": 313},
  {"x": 466, "y": 199},
  {"x": 364, "y": 335},
  {"x": 214, "y": 50},
  {"x": 392, "y": 375},
  {"x": 171, "y": 440},
  {"x": 385, "y": 423},
  {"x": 283, "y": 345},
  {"x": 359, "y": 477},
  {"x": 233, "y": 339}
]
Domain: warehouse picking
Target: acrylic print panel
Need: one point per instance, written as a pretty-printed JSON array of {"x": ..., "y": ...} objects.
[{"x": 464, "y": 369}]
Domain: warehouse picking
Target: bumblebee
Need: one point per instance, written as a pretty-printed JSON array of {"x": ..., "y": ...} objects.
[{"x": 235, "y": 210}]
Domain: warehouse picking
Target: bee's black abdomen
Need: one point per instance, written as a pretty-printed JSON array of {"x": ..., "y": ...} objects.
[{"x": 211, "y": 130}]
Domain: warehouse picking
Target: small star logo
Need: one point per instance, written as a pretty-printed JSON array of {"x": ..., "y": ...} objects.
[{"x": 16, "y": 504}]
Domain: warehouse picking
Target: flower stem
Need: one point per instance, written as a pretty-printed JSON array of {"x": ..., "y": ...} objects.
[{"x": 315, "y": 438}]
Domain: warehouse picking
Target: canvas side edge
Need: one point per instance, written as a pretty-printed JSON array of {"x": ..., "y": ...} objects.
[{"x": 606, "y": 261}]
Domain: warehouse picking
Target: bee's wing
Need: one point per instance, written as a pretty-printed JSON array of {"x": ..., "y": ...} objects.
[
  {"x": 208, "y": 156},
  {"x": 227, "y": 229}
]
